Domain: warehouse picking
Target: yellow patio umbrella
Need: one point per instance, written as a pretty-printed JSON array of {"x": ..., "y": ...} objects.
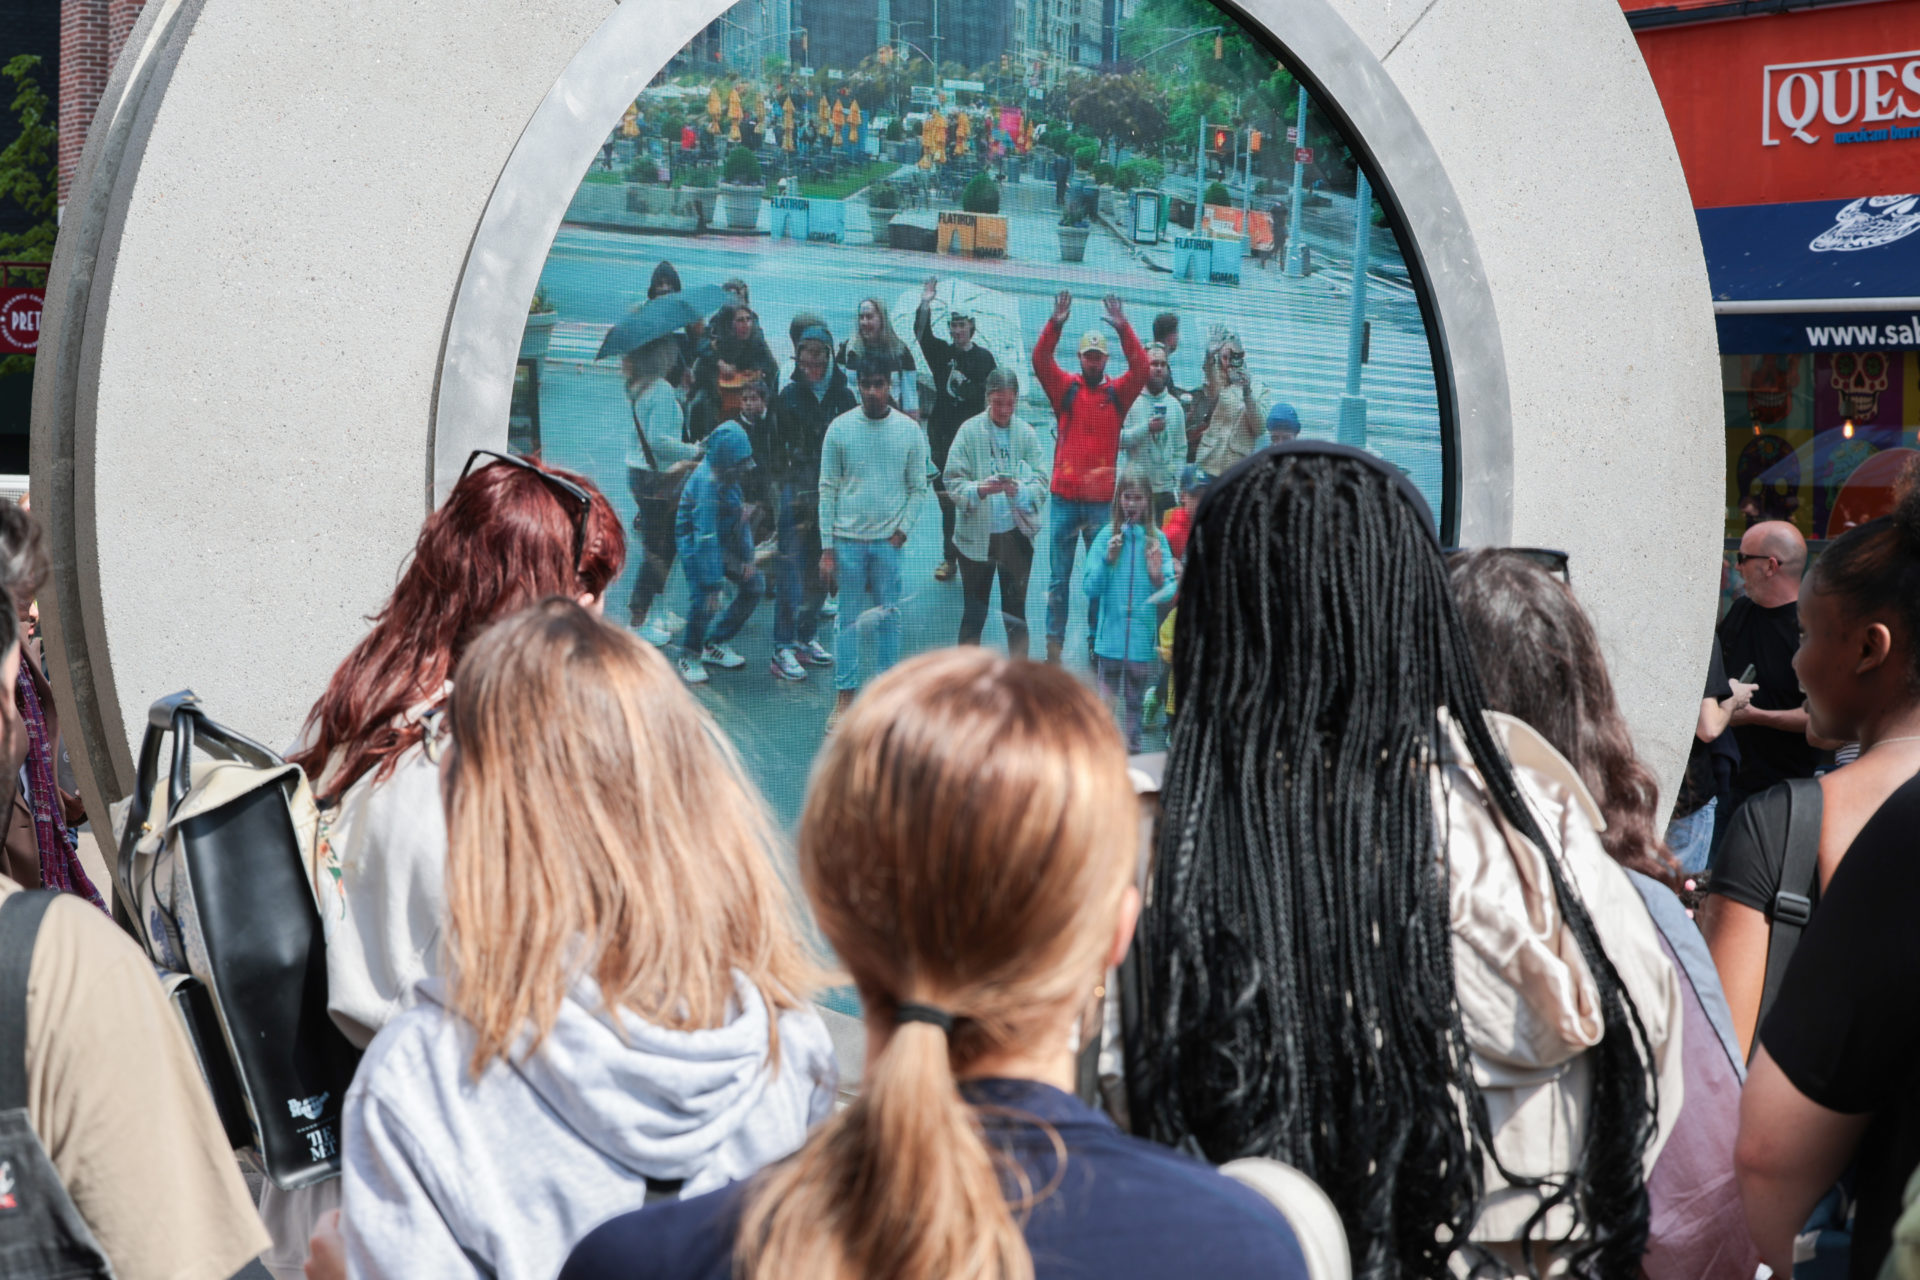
[
  {"x": 629, "y": 125},
  {"x": 713, "y": 109},
  {"x": 825, "y": 126},
  {"x": 839, "y": 123},
  {"x": 928, "y": 129},
  {"x": 853, "y": 122},
  {"x": 962, "y": 130},
  {"x": 786, "y": 125},
  {"x": 733, "y": 103}
]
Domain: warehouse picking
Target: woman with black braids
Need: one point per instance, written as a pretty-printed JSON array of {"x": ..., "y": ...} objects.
[{"x": 1363, "y": 955}]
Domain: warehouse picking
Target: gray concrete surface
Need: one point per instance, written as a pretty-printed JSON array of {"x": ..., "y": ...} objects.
[{"x": 252, "y": 389}]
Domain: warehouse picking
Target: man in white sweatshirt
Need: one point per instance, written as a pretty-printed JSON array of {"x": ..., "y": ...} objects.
[
  {"x": 873, "y": 474},
  {"x": 1154, "y": 437}
]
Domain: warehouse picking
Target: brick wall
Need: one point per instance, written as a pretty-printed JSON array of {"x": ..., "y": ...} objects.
[{"x": 92, "y": 33}]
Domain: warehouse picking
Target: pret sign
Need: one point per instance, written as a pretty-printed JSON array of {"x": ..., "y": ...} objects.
[{"x": 20, "y": 320}]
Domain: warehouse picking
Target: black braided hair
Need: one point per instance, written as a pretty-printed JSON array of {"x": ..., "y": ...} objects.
[{"x": 1296, "y": 968}]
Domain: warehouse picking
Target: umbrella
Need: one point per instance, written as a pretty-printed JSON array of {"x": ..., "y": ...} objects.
[
  {"x": 713, "y": 109},
  {"x": 853, "y": 121},
  {"x": 786, "y": 125},
  {"x": 655, "y": 319},
  {"x": 733, "y": 103},
  {"x": 996, "y": 319}
]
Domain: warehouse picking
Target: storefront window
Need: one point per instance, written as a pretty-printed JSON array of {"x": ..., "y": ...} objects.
[
  {"x": 1819, "y": 439},
  {"x": 799, "y": 180}
]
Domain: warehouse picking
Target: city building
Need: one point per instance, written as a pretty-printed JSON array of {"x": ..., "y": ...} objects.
[{"x": 1799, "y": 133}]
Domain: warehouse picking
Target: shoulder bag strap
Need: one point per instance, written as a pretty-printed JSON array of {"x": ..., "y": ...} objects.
[
  {"x": 634, "y": 406},
  {"x": 20, "y": 917},
  {"x": 1799, "y": 873}
]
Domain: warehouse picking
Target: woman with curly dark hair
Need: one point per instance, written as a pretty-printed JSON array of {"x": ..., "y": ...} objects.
[{"x": 1540, "y": 660}]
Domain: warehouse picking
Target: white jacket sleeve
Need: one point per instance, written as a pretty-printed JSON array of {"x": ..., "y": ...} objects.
[
  {"x": 384, "y": 913},
  {"x": 393, "y": 1212}
]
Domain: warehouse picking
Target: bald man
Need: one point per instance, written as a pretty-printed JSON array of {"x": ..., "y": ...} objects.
[{"x": 1762, "y": 630}]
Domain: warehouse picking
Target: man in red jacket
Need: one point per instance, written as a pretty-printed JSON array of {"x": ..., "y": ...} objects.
[{"x": 1090, "y": 408}]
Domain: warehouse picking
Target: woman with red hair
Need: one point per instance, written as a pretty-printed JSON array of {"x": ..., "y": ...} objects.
[{"x": 512, "y": 532}]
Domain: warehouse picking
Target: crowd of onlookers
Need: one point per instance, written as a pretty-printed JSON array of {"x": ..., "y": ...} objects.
[
  {"x": 807, "y": 491},
  {"x": 1406, "y": 916}
]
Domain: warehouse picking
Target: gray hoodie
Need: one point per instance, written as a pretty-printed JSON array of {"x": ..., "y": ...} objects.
[{"x": 448, "y": 1176}]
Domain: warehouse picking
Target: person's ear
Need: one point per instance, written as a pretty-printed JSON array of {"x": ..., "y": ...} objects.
[
  {"x": 1123, "y": 927},
  {"x": 1876, "y": 642},
  {"x": 598, "y": 604}
]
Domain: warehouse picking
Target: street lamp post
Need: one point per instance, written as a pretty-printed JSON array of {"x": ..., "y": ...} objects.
[
  {"x": 1353, "y": 405},
  {"x": 1295, "y": 236}
]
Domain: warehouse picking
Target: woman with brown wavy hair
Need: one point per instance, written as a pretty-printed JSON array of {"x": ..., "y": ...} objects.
[
  {"x": 968, "y": 845},
  {"x": 1540, "y": 660}
]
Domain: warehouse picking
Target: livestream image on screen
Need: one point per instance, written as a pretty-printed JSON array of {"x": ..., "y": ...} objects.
[{"x": 899, "y": 324}]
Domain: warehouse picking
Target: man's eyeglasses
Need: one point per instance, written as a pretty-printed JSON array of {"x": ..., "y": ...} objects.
[
  {"x": 576, "y": 500},
  {"x": 1741, "y": 557}
]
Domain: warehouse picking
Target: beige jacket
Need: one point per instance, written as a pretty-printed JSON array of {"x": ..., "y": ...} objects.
[{"x": 1527, "y": 997}]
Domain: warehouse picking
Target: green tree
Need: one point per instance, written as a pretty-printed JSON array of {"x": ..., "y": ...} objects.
[
  {"x": 1130, "y": 109},
  {"x": 30, "y": 178}
]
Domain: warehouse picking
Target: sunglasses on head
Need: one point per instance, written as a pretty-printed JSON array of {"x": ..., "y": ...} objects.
[
  {"x": 576, "y": 500},
  {"x": 1554, "y": 562}
]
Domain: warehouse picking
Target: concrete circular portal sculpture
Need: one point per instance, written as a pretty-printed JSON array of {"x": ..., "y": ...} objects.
[{"x": 300, "y": 248}]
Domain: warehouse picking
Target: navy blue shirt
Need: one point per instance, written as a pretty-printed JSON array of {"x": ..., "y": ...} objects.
[{"x": 1124, "y": 1209}]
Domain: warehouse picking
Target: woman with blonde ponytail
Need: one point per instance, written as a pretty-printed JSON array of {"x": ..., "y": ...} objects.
[{"x": 968, "y": 846}]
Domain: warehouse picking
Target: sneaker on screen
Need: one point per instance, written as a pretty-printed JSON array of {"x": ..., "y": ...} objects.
[{"x": 724, "y": 657}]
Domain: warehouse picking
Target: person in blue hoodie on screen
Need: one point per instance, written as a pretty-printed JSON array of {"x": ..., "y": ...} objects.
[
  {"x": 1130, "y": 573},
  {"x": 714, "y": 537}
]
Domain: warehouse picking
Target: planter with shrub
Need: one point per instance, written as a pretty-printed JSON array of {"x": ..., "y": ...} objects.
[
  {"x": 982, "y": 194},
  {"x": 541, "y": 317},
  {"x": 1073, "y": 235},
  {"x": 741, "y": 189}
]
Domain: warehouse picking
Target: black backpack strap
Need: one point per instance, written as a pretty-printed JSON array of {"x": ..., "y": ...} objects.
[
  {"x": 659, "y": 1189},
  {"x": 1799, "y": 879},
  {"x": 20, "y": 917}
]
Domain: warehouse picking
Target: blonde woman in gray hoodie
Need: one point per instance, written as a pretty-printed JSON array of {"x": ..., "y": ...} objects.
[{"x": 623, "y": 1016}]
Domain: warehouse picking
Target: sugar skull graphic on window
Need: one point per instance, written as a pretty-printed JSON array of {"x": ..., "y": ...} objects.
[
  {"x": 1858, "y": 377},
  {"x": 1771, "y": 380}
]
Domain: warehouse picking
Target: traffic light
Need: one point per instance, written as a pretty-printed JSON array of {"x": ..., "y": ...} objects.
[
  {"x": 1219, "y": 139},
  {"x": 1253, "y": 140},
  {"x": 1219, "y": 47}
]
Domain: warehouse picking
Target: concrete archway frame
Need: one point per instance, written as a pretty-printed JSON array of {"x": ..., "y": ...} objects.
[{"x": 299, "y": 250}]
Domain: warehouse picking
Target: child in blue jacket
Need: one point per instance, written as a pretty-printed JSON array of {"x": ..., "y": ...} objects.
[
  {"x": 715, "y": 542},
  {"x": 1131, "y": 571}
]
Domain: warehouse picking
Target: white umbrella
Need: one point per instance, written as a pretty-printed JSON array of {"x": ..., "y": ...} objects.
[{"x": 996, "y": 320}]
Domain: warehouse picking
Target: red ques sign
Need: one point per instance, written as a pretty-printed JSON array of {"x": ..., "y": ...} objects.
[{"x": 20, "y": 320}]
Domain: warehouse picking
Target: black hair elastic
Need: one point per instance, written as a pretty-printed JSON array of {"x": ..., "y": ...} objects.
[{"x": 910, "y": 1012}]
